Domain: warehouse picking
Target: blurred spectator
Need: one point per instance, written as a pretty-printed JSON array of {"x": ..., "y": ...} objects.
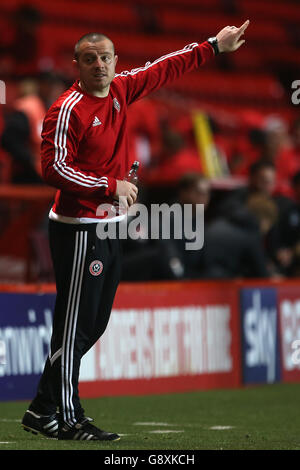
[
  {"x": 295, "y": 135},
  {"x": 50, "y": 86},
  {"x": 266, "y": 213},
  {"x": 167, "y": 259},
  {"x": 193, "y": 189},
  {"x": 289, "y": 252},
  {"x": 246, "y": 139},
  {"x": 262, "y": 183},
  {"x": 296, "y": 187},
  {"x": 278, "y": 150},
  {"x": 145, "y": 132},
  {"x": 271, "y": 143},
  {"x": 232, "y": 244},
  {"x": 262, "y": 179},
  {"x": 21, "y": 136},
  {"x": 233, "y": 247},
  {"x": 264, "y": 210},
  {"x": 179, "y": 154}
]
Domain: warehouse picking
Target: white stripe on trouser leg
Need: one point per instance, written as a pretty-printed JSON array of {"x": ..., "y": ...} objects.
[
  {"x": 83, "y": 242},
  {"x": 53, "y": 358},
  {"x": 64, "y": 365},
  {"x": 70, "y": 326},
  {"x": 74, "y": 300}
]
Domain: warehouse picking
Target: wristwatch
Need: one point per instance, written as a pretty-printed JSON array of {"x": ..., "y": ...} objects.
[{"x": 214, "y": 43}]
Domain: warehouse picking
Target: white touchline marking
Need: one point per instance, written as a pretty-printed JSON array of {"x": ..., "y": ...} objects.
[
  {"x": 217, "y": 428},
  {"x": 163, "y": 431},
  {"x": 10, "y": 420},
  {"x": 7, "y": 442},
  {"x": 123, "y": 434},
  {"x": 154, "y": 424}
]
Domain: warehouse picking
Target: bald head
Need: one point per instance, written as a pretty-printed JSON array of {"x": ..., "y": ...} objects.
[
  {"x": 95, "y": 60},
  {"x": 91, "y": 38}
]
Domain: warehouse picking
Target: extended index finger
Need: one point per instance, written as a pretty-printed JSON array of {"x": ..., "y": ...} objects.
[{"x": 243, "y": 27}]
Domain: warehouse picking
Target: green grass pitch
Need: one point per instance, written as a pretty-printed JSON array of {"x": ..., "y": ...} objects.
[{"x": 257, "y": 418}]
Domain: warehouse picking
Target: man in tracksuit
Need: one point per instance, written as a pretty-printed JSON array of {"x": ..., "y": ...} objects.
[{"x": 85, "y": 156}]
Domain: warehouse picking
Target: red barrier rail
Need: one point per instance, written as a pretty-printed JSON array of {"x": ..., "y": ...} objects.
[{"x": 155, "y": 287}]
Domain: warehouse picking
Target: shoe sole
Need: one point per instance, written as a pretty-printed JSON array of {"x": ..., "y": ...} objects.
[
  {"x": 34, "y": 431},
  {"x": 96, "y": 440}
]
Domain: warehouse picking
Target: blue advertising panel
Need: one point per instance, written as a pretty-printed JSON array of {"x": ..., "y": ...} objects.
[
  {"x": 25, "y": 332},
  {"x": 260, "y": 336}
]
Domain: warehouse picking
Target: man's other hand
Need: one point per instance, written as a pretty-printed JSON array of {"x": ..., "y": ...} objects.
[{"x": 126, "y": 192}]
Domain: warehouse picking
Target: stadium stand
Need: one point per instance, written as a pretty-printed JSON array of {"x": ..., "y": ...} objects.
[{"x": 238, "y": 91}]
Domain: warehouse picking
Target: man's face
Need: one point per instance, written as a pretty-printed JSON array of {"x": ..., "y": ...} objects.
[
  {"x": 264, "y": 181},
  {"x": 96, "y": 63},
  {"x": 199, "y": 193}
]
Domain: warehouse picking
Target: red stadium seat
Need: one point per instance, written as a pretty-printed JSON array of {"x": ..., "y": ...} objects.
[
  {"x": 92, "y": 13},
  {"x": 268, "y": 41},
  {"x": 282, "y": 11},
  {"x": 255, "y": 90},
  {"x": 208, "y": 25}
]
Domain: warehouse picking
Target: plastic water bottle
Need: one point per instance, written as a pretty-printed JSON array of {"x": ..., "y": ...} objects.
[{"x": 132, "y": 176}]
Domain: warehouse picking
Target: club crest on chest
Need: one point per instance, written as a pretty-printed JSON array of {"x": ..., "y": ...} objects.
[{"x": 116, "y": 105}]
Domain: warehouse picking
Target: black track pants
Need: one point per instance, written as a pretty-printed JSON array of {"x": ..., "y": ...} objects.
[{"x": 87, "y": 271}]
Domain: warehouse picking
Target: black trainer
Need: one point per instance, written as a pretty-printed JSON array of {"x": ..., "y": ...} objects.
[
  {"x": 85, "y": 431},
  {"x": 38, "y": 424}
]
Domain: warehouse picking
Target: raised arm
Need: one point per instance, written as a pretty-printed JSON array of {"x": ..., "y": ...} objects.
[
  {"x": 163, "y": 71},
  {"x": 154, "y": 75}
]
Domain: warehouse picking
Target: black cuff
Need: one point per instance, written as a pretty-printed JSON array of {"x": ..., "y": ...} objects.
[{"x": 214, "y": 43}]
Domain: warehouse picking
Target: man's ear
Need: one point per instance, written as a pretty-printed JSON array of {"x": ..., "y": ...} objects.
[
  {"x": 75, "y": 64},
  {"x": 116, "y": 59}
]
